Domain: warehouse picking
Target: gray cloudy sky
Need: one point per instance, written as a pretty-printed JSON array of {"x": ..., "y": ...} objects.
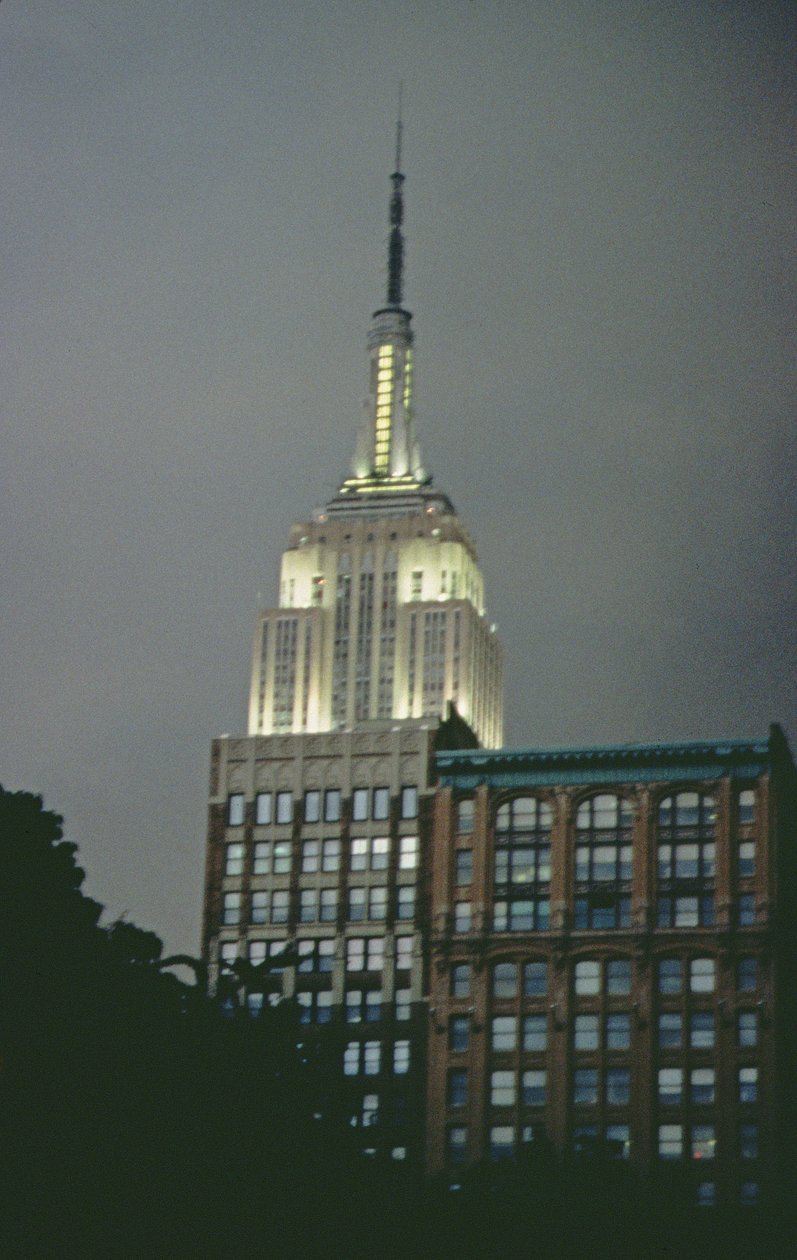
[{"x": 601, "y": 263}]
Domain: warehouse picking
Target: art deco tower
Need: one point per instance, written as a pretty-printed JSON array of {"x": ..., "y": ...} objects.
[{"x": 381, "y": 605}]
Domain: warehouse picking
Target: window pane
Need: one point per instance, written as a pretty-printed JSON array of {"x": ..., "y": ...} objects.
[
  {"x": 332, "y": 805},
  {"x": 670, "y": 1030},
  {"x": 618, "y": 1030},
  {"x": 457, "y": 1087},
  {"x": 670, "y": 1141},
  {"x": 359, "y": 804},
  {"x": 380, "y": 853},
  {"x": 261, "y": 864},
  {"x": 263, "y": 808},
  {"x": 234, "y": 859},
  {"x": 746, "y": 813},
  {"x": 330, "y": 860},
  {"x": 310, "y": 856},
  {"x": 408, "y": 853},
  {"x": 585, "y": 1032},
  {"x": 618, "y": 976},
  {"x": 585, "y": 1086},
  {"x": 701, "y": 1030},
  {"x": 312, "y": 806},
  {"x": 231, "y": 908},
  {"x": 748, "y": 1084},
  {"x": 359, "y": 855},
  {"x": 409, "y": 802},
  {"x": 535, "y": 1033},
  {"x": 535, "y": 979},
  {"x": 534, "y": 1085},
  {"x": 235, "y": 809},
  {"x": 587, "y": 977},
  {"x": 463, "y": 871},
  {"x": 460, "y": 980},
  {"x": 504, "y": 1032},
  {"x": 504, "y": 980},
  {"x": 747, "y": 1028},
  {"x": 284, "y": 812},
  {"x": 703, "y": 1141},
  {"x": 282, "y": 857},
  {"x": 701, "y": 975},
  {"x": 502, "y": 1089},
  {"x": 671, "y": 1081},
  {"x": 458, "y": 1030},
  {"x": 618, "y": 1087},
  {"x": 465, "y": 815},
  {"x": 381, "y": 804},
  {"x": 701, "y": 1085}
]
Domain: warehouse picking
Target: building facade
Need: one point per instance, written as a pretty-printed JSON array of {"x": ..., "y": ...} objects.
[{"x": 499, "y": 947}]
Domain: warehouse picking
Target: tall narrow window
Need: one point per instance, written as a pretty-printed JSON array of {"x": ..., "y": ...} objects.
[
  {"x": 522, "y": 871},
  {"x": 603, "y": 863},
  {"x": 686, "y": 860}
]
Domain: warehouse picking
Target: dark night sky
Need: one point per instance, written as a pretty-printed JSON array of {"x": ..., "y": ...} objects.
[{"x": 601, "y": 266}]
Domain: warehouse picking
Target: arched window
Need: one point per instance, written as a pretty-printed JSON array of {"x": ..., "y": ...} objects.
[
  {"x": 603, "y": 863},
  {"x": 686, "y": 860},
  {"x": 522, "y": 866}
]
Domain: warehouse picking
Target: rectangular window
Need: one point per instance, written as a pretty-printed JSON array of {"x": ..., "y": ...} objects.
[
  {"x": 463, "y": 867},
  {"x": 372, "y": 1054},
  {"x": 534, "y": 1087},
  {"x": 702, "y": 975},
  {"x": 458, "y": 1033},
  {"x": 375, "y": 953},
  {"x": 263, "y": 808},
  {"x": 462, "y": 916},
  {"x": 703, "y": 1141},
  {"x": 670, "y": 975},
  {"x": 585, "y": 1032},
  {"x": 504, "y": 980},
  {"x": 261, "y": 864},
  {"x": 457, "y": 1091},
  {"x": 587, "y": 977},
  {"x": 329, "y": 905},
  {"x": 502, "y": 1141},
  {"x": 330, "y": 855},
  {"x": 618, "y": 976},
  {"x": 259, "y": 908},
  {"x": 358, "y": 855},
  {"x": 535, "y": 1033},
  {"x": 535, "y": 979},
  {"x": 747, "y": 974},
  {"x": 408, "y": 853},
  {"x": 456, "y": 1143},
  {"x": 355, "y": 954},
  {"x": 401, "y": 1058},
  {"x": 701, "y": 1030},
  {"x": 381, "y": 804},
  {"x": 748, "y": 1084},
  {"x": 310, "y": 856},
  {"x": 405, "y": 908},
  {"x": 403, "y": 1004},
  {"x": 504, "y": 1033},
  {"x": 356, "y": 905},
  {"x": 670, "y": 1030},
  {"x": 284, "y": 811},
  {"x": 746, "y": 809},
  {"x": 618, "y": 1030},
  {"x": 618, "y": 1087},
  {"x": 465, "y": 815},
  {"x": 377, "y": 902},
  {"x": 279, "y": 907},
  {"x": 256, "y": 952},
  {"x": 585, "y": 1087},
  {"x": 747, "y": 1028},
  {"x": 746, "y": 910},
  {"x": 231, "y": 912},
  {"x": 671, "y": 1141},
  {"x": 282, "y": 857},
  {"x": 671, "y": 1087},
  {"x": 308, "y": 905},
  {"x": 409, "y": 802},
  {"x": 746, "y": 859},
  {"x": 503, "y": 1091},
  {"x": 234, "y": 859},
  {"x": 359, "y": 804},
  {"x": 332, "y": 805},
  {"x": 312, "y": 806},
  {"x": 380, "y": 853},
  {"x": 701, "y": 1086},
  {"x": 460, "y": 980},
  {"x": 228, "y": 953},
  {"x": 748, "y": 1141},
  {"x": 235, "y": 809},
  {"x": 403, "y": 953}
]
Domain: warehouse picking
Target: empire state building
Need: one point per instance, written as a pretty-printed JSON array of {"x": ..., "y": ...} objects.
[{"x": 381, "y": 603}]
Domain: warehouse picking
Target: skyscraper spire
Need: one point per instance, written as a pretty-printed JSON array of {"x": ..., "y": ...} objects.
[{"x": 395, "y": 257}]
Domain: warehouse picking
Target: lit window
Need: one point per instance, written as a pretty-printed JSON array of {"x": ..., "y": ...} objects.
[
  {"x": 457, "y": 1087},
  {"x": 463, "y": 867},
  {"x": 603, "y": 856},
  {"x": 535, "y": 1033},
  {"x": 377, "y": 902},
  {"x": 746, "y": 807},
  {"x": 312, "y": 806},
  {"x": 585, "y": 1032},
  {"x": 585, "y": 1087},
  {"x": 504, "y": 980},
  {"x": 308, "y": 905},
  {"x": 534, "y": 1088},
  {"x": 284, "y": 812},
  {"x": 671, "y": 1140},
  {"x": 535, "y": 979},
  {"x": 332, "y": 805},
  {"x": 504, "y": 1033},
  {"x": 263, "y": 808},
  {"x": 356, "y": 905},
  {"x": 702, "y": 975},
  {"x": 256, "y": 952},
  {"x": 234, "y": 859},
  {"x": 231, "y": 912},
  {"x": 371, "y": 1057},
  {"x": 329, "y": 905},
  {"x": 358, "y": 859},
  {"x": 587, "y": 977},
  {"x": 703, "y": 1141},
  {"x": 235, "y": 809},
  {"x": 254, "y": 1004},
  {"x": 503, "y": 1089},
  {"x": 315, "y": 955},
  {"x": 502, "y": 1141},
  {"x": 381, "y": 803},
  {"x": 282, "y": 857},
  {"x": 747, "y": 1028},
  {"x": 618, "y": 1140},
  {"x": 403, "y": 1004},
  {"x": 460, "y": 980},
  {"x": 671, "y": 1086},
  {"x": 748, "y": 1084},
  {"x": 359, "y": 804},
  {"x": 369, "y": 1113},
  {"x": 746, "y": 859},
  {"x": 701, "y": 1085},
  {"x": 228, "y": 953},
  {"x": 408, "y": 853},
  {"x": 351, "y": 1059},
  {"x": 404, "y": 953},
  {"x": 355, "y": 954},
  {"x": 380, "y": 853},
  {"x": 409, "y": 802}
]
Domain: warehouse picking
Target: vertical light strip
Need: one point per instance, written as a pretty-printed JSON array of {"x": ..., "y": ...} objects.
[{"x": 384, "y": 407}]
